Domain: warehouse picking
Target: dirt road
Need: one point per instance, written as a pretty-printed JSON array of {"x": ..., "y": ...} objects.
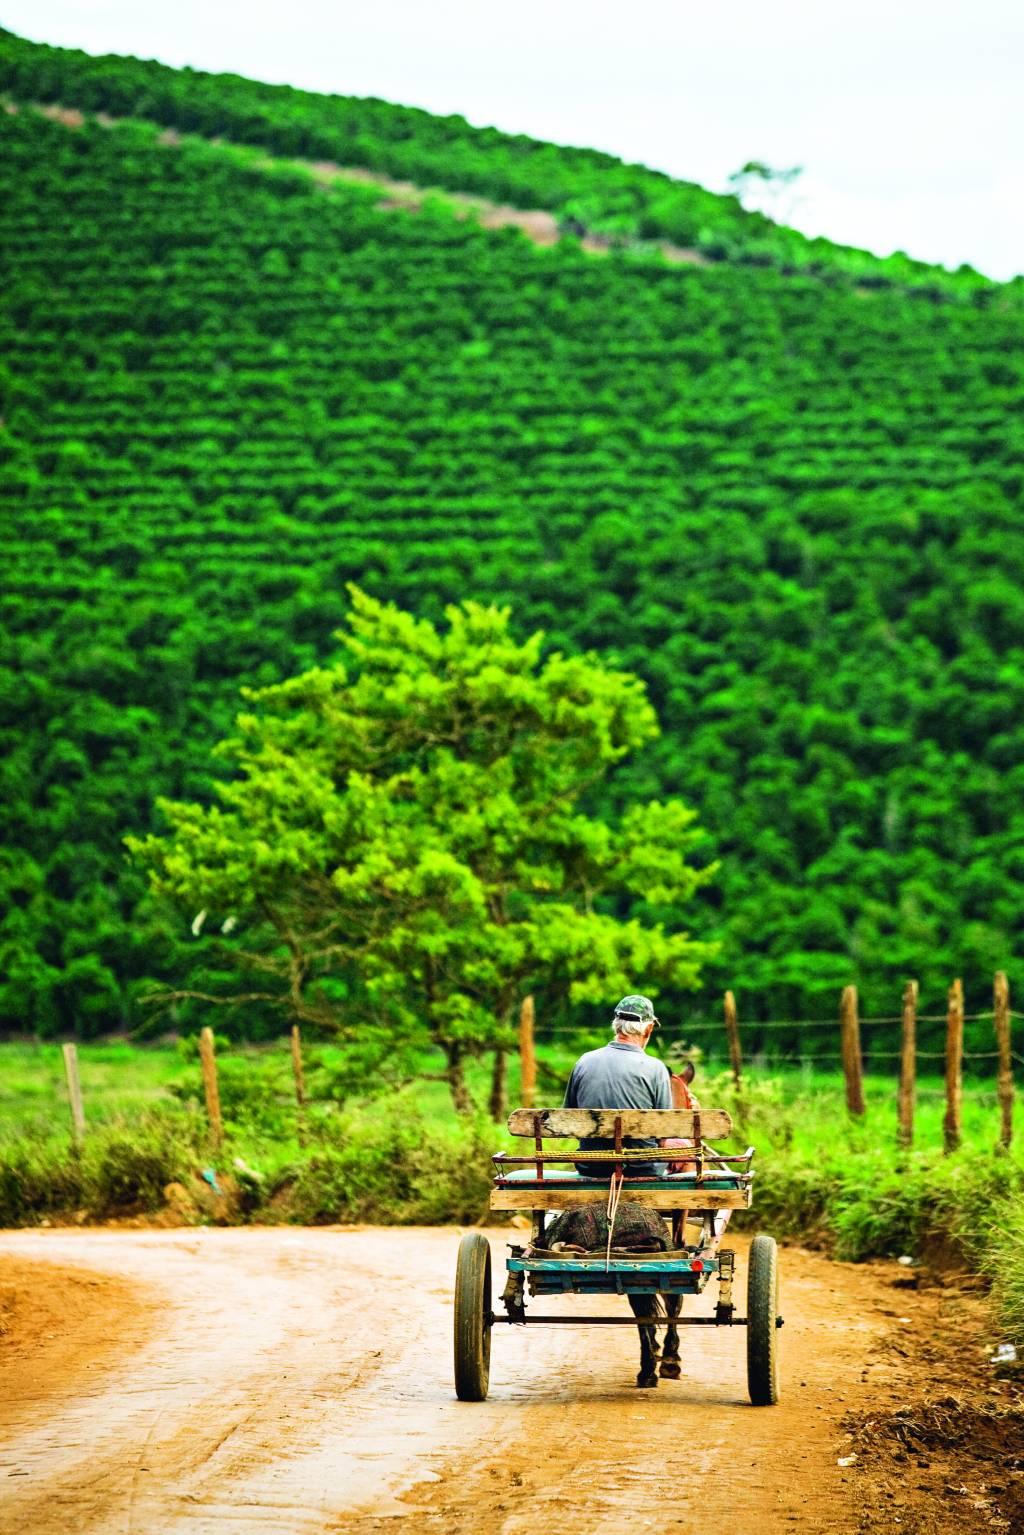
[{"x": 299, "y": 1381}]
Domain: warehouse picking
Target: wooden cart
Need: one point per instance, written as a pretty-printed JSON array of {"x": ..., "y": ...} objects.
[{"x": 696, "y": 1203}]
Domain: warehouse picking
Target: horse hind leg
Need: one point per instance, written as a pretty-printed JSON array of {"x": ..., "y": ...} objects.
[
  {"x": 670, "y": 1368},
  {"x": 647, "y": 1306}
]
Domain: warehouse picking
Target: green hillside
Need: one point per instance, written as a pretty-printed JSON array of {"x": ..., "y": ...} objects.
[
  {"x": 589, "y": 189},
  {"x": 791, "y": 504}
]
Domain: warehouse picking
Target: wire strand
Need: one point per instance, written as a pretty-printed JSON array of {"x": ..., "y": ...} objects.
[{"x": 757, "y": 1026}]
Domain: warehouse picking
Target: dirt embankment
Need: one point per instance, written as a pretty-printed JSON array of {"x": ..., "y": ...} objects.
[{"x": 299, "y": 1381}]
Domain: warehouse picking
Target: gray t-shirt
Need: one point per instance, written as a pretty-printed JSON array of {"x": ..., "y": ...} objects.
[{"x": 618, "y": 1076}]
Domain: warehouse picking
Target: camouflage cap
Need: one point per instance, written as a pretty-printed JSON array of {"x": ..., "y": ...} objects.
[{"x": 636, "y": 1009}]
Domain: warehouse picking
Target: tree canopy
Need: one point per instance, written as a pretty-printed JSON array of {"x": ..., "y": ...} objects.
[{"x": 403, "y": 846}]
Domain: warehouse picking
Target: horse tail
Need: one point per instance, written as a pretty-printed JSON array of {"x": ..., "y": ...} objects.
[{"x": 649, "y": 1304}]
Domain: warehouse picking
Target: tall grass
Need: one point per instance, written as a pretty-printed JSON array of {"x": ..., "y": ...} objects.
[{"x": 1003, "y": 1261}]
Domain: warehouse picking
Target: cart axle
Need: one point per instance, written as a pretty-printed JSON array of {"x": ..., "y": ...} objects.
[{"x": 624, "y": 1321}]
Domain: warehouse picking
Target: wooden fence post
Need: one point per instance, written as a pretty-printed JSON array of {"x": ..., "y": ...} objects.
[
  {"x": 954, "y": 1066},
  {"x": 849, "y": 1024},
  {"x": 527, "y": 1054},
  {"x": 908, "y": 1051},
  {"x": 74, "y": 1093},
  {"x": 732, "y": 1030},
  {"x": 209, "y": 1065},
  {"x": 300, "y": 1081},
  {"x": 1005, "y": 1080}
]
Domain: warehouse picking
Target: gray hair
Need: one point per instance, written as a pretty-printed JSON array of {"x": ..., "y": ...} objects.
[{"x": 631, "y": 1027}]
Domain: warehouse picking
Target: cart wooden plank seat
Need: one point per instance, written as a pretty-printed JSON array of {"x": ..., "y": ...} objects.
[
  {"x": 566, "y": 1124},
  {"x": 562, "y": 1192},
  {"x": 662, "y": 1194},
  {"x": 548, "y": 1180}
]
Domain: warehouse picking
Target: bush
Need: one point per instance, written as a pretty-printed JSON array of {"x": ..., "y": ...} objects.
[
  {"x": 35, "y": 1182},
  {"x": 256, "y": 1092},
  {"x": 257, "y": 1095},
  {"x": 881, "y": 1210},
  {"x": 791, "y": 1199},
  {"x": 873, "y": 1204},
  {"x": 125, "y": 1168},
  {"x": 398, "y": 1169},
  {"x": 757, "y": 1107}
]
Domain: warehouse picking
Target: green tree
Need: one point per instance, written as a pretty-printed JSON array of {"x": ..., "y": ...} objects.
[{"x": 402, "y": 850}]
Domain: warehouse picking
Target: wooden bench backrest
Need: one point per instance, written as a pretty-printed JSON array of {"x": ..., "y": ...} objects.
[{"x": 684, "y": 1124}]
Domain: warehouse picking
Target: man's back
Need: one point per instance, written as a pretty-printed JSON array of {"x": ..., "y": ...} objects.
[{"x": 619, "y": 1076}]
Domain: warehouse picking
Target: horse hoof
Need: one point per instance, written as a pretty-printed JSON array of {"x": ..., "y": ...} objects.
[
  {"x": 670, "y": 1369},
  {"x": 647, "y": 1380}
]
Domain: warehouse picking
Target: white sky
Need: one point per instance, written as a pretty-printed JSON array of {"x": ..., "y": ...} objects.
[{"x": 905, "y": 114}]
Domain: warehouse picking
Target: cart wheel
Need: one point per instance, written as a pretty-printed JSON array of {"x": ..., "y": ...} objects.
[
  {"x": 762, "y": 1306},
  {"x": 473, "y": 1318}
]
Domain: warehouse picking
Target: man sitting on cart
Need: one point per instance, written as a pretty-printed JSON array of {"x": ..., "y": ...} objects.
[{"x": 620, "y": 1075}]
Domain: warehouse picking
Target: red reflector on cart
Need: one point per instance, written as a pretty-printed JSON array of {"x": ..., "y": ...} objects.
[{"x": 697, "y": 1266}]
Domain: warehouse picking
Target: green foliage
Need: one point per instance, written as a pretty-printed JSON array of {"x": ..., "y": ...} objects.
[
  {"x": 880, "y": 1210},
  {"x": 402, "y": 849},
  {"x": 396, "y": 1168},
  {"x": 587, "y": 189},
  {"x": 1003, "y": 1261},
  {"x": 793, "y": 1203},
  {"x": 254, "y": 1097},
  {"x": 758, "y": 1108},
  {"x": 845, "y": 1185},
  {"x": 368, "y": 1067},
  {"x": 791, "y": 507},
  {"x": 125, "y": 1168},
  {"x": 35, "y": 1181},
  {"x": 122, "y": 1169}
]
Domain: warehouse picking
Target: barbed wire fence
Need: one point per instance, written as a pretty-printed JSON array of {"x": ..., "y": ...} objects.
[
  {"x": 849, "y": 1055},
  {"x": 852, "y": 1055}
]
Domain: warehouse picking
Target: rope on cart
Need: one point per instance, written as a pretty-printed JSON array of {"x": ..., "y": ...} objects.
[{"x": 614, "y": 1192}]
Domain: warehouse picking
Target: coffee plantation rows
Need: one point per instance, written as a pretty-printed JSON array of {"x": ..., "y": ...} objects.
[
  {"x": 791, "y": 506},
  {"x": 586, "y": 188}
]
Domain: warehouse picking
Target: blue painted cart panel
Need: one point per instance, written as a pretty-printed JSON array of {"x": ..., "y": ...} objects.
[
  {"x": 623, "y": 1276},
  {"x": 617, "y": 1284},
  {"x": 650, "y": 1262}
]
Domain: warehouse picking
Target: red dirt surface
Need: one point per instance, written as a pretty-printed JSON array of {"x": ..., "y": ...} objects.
[{"x": 298, "y": 1381}]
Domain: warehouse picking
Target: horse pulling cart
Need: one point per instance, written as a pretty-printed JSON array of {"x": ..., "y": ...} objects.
[{"x": 694, "y": 1204}]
